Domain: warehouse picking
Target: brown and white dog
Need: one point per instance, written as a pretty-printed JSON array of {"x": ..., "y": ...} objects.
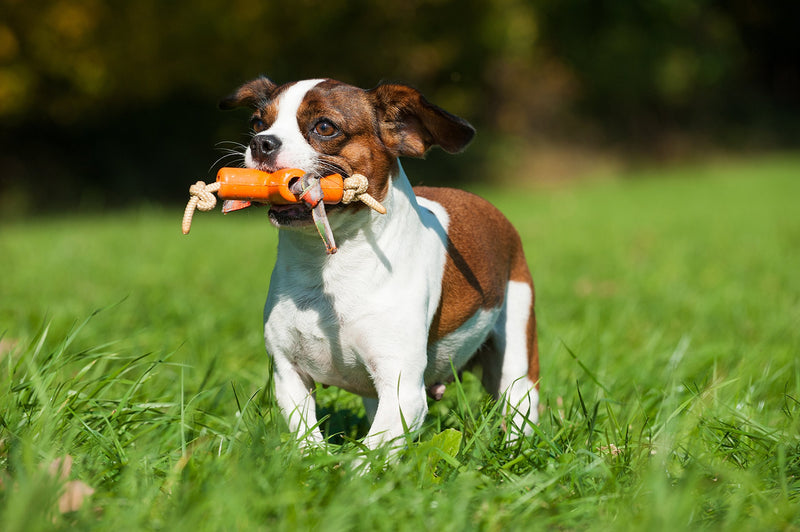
[{"x": 439, "y": 282}]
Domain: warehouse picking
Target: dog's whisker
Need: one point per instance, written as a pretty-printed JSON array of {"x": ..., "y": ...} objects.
[
  {"x": 238, "y": 144},
  {"x": 236, "y": 147},
  {"x": 324, "y": 166},
  {"x": 232, "y": 155},
  {"x": 228, "y": 151}
]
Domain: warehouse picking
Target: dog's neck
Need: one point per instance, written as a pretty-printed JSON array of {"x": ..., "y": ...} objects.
[{"x": 361, "y": 235}]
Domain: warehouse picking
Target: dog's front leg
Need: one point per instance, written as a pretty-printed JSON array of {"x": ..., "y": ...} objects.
[
  {"x": 295, "y": 395},
  {"x": 402, "y": 404}
]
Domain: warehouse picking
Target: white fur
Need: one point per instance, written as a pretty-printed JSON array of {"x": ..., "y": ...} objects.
[
  {"x": 520, "y": 395},
  {"x": 295, "y": 151}
]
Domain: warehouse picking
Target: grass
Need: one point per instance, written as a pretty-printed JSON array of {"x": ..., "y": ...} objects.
[{"x": 669, "y": 316}]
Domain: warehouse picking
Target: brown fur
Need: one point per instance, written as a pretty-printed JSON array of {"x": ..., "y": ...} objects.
[{"x": 484, "y": 252}]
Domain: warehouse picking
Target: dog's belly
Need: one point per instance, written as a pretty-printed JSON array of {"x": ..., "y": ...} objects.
[{"x": 458, "y": 347}]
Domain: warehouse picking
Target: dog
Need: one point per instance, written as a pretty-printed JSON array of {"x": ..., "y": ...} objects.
[{"x": 437, "y": 284}]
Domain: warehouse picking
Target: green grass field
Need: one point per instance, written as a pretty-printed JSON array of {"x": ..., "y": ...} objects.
[{"x": 669, "y": 318}]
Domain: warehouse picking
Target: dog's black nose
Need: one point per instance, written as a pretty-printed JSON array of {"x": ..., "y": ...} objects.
[{"x": 263, "y": 146}]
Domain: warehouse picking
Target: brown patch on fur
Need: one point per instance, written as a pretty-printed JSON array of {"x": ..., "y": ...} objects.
[
  {"x": 357, "y": 149},
  {"x": 252, "y": 94},
  {"x": 268, "y": 113},
  {"x": 484, "y": 253}
]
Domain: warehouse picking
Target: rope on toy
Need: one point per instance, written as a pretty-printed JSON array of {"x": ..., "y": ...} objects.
[
  {"x": 355, "y": 188},
  {"x": 201, "y": 197}
]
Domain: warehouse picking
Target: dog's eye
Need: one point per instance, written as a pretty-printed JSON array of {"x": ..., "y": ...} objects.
[
  {"x": 324, "y": 128},
  {"x": 257, "y": 124}
]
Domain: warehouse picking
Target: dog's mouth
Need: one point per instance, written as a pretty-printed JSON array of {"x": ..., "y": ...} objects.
[
  {"x": 300, "y": 214},
  {"x": 295, "y": 214},
  {"x": 289, "y": 214},
  {"x": 292, "y": 215}
]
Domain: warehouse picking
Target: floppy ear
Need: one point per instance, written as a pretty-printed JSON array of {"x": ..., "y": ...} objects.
[
  {"x": 251, "y": 94},
  {"x": 410, "y": 125}
]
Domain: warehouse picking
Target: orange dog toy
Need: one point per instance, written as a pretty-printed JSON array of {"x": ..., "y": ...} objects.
[
  {"x": 240, "y": 187},
  {"x": 251, "y": 185}
]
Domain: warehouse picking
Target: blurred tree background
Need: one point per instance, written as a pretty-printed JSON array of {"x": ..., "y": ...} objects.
[{"x": 108, "y": 102}]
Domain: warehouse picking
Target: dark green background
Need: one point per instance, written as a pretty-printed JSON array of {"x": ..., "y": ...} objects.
[{"x": 107, "y": 102}]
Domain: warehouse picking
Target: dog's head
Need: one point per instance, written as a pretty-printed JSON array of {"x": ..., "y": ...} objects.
[{"x": 325, "y": 126}]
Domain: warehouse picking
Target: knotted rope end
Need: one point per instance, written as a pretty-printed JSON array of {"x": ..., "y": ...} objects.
[
  {"x": 201, "y": 196},
  {"x": 355, "y": 188}
]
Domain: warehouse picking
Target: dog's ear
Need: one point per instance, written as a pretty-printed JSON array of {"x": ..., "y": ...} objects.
[
  {"x": 251, "y": 94},
  {"x": 410, "y": 125}
]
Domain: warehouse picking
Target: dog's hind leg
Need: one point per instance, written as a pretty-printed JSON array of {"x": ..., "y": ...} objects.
[{"x": 510, "y": 360}]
